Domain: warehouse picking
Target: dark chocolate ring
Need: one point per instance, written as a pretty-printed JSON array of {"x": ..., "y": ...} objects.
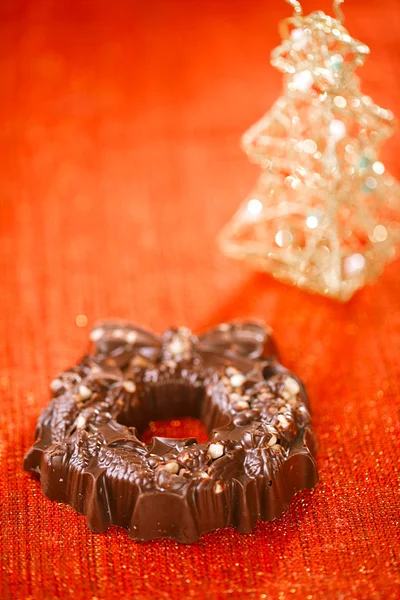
[{"x": 260, "y": 448}]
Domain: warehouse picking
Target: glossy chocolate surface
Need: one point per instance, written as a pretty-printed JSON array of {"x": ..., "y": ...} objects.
[{"x": 88, "y": 452}]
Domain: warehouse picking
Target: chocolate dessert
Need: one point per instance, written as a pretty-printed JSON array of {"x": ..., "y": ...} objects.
[{"x": 88, "y": 452}]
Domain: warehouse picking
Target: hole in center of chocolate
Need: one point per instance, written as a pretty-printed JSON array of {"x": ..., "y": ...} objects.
[
  {"x": 185, "y": 427},
  {"x": 185, "y": 410}
]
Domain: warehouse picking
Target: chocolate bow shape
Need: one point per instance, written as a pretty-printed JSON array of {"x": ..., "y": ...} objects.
[{"x": 241, "y": 339}]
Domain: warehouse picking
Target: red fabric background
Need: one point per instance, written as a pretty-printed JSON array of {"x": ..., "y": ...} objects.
[{"x": 120, "y": 161}]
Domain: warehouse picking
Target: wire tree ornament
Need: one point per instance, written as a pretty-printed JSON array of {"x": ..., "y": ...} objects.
[
  {"x": 324, "y": 214},
  {"x": 298, "y": 9},
  {"x": 338, "y": 11},
  {"x": 296, "y": 6}
]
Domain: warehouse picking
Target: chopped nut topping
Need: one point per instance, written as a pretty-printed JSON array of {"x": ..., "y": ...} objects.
[
  {"x": 85, "y": 392},
  {"x": 276, "y": 447},
  {"x": 118, "y": 333},
  {"x": 131, "y": 337},
  {"x": 283, "y": 422},
  {"x": 56, "y": 385},
  {"x": 172, "y": 467},
  {"x": 237, "y": 380},
  {"x": 231, "y": 371},
  {"x": 240, "y": 405},
  {"x": 265, "y": 396},
  {"x": 177, "y": 346},
  {"x": 291, "y": 386},
  {"x": 215, "y": 450},
  {"x": 96, "y": 334},
  {"x": 129, "y": 386},
  {"x": 80, "y": 422}
]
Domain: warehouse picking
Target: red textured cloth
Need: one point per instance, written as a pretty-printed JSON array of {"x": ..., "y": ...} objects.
[{"x": 120, "y": 162}]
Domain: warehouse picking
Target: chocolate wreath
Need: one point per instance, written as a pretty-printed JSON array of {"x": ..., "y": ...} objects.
[{"x": 88, "y": 452}]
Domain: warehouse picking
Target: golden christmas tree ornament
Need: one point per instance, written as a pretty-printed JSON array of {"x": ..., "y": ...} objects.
[{"x": 325, "y": 213}]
